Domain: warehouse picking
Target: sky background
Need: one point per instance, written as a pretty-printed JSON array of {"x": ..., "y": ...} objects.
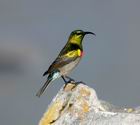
[{"x": 32, "y": 32}]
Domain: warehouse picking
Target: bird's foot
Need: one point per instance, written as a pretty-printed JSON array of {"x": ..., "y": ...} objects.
[
  {"x": 75, "y": 84},
  {"x": 71, "y": 81},
  {"x": 81, "y": 82}
]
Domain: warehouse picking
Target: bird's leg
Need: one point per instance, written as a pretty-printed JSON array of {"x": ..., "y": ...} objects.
[
  {"x": 66, "y": 82},
  {"x": 70, "y": 79},
  {"x": 64, "y": 79}
]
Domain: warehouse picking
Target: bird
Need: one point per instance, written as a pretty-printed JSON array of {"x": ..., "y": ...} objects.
[{"x": 67, "y": 60}]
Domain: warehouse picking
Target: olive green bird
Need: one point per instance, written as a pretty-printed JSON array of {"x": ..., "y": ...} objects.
[{"x": 67, "y": 59}]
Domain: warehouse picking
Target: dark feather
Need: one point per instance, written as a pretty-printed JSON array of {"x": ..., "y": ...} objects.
[
  {"x": 40, "y": 92},
  {"x": 45, "y": 73}
]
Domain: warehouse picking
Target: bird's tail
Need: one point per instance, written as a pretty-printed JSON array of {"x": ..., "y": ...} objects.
[
  {"x": 51, "y": 77},
  {"x": 40, "y": 92}
]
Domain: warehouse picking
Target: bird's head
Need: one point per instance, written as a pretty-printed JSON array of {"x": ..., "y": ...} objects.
[{"x": 77, "y": 36}]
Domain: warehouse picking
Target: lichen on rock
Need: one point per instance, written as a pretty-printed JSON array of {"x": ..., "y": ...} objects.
[{"x": 79, "y": 105}]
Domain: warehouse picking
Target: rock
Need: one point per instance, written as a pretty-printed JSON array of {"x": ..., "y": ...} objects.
[{"x": 79, "y": 105}]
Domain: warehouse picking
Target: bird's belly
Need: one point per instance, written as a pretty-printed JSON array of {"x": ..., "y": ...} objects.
[{"x": 68, "y": 67}]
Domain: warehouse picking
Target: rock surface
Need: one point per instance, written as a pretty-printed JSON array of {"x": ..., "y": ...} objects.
[{"x": 79, "y": 105}]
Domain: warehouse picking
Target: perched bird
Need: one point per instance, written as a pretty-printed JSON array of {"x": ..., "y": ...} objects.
[{"x": 67, "y": 59}]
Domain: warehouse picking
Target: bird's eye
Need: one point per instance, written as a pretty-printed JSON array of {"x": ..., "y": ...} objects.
[{"x": 78, "y": 33}]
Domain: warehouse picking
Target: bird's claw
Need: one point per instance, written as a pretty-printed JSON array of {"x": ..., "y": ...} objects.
[
  {"x": 71, "y": 81},
  {"x": 81, "y": 82}
]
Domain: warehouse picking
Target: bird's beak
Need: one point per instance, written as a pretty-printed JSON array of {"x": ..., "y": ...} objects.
[{"x": 90, "y": 33}]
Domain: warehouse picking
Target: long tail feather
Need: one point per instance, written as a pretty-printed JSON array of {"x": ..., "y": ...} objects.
[{"x": 40, "y": 92}]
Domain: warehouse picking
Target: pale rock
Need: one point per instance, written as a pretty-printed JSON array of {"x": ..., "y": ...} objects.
[{"x": 79, "y": 105}]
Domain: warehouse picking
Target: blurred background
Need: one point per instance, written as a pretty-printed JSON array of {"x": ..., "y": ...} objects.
[{"x": 32, "y": 32}]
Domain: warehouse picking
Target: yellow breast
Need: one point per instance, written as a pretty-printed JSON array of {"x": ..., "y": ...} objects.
[
  {"x": 74, "y": 53},
  {"x": 79, "y": 52}
]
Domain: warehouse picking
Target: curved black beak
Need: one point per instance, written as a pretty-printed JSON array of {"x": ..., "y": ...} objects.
[{"x": 90, "y": 33}]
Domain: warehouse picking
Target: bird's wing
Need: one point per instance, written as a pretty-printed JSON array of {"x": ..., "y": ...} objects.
[{"x": 62, "y": 60}]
